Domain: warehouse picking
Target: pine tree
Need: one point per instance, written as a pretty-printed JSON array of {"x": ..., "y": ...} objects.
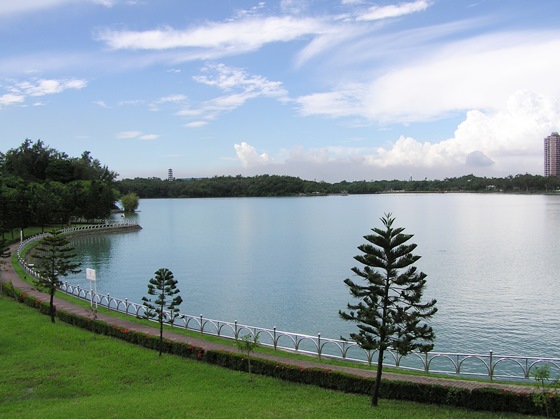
[
  {"x": 54, "y": 260},
  {"x": 390, "y": 313},
  {"x": 164, "y": 286}
]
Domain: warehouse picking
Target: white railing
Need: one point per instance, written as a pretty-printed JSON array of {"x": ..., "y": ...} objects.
[
  {"x": 483, "y": 365},
  {"x": 486, "y": 365}
]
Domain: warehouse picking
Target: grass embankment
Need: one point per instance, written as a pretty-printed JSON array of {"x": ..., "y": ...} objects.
[{"x": 56, "y": 370}]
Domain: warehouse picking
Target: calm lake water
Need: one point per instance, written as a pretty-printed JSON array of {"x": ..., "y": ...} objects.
[{"x": 492, "y": 262}]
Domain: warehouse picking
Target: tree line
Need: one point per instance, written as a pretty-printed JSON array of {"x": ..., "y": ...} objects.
[
  {"x": 275, "y": 185},
  {"x": 41, "y": 186}
]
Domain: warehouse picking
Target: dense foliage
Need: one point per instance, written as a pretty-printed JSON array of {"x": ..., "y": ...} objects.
[
  {"x": 273, "y": 185},
  {"x": 42, "y": 186},
  {"x": 130, "y": 202}
]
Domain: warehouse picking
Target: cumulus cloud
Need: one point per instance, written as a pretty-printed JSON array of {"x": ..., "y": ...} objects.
[
  {"x": 248, "y": 155},
  {"x": 478, "y": 159},
  {"x": 500, "y": 141}
]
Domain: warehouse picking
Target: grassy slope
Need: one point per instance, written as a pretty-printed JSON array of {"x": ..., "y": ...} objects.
[{"x": 60, "y": 371}]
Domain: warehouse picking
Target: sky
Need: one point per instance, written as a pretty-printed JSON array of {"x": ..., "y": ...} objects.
[{"x": 325, "y": 90}]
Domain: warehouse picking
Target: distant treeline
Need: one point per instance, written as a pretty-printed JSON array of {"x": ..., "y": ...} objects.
[{"x": 273, "y": 185}]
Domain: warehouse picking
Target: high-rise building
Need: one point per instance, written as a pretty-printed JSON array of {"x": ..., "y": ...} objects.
[
  {"x": 552, "y": 155},
  {"x": 170, "y": 175}
]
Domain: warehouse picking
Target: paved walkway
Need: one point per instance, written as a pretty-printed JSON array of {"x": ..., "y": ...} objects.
[{"x": 9, "y": 275}]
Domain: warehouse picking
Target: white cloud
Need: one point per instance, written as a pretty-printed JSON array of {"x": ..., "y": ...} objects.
[
  {"x": 241, "y": 86},
  {"x": 11, "y": 99},
  {"x": 44, "y": 87},
  {"x": 225, "y": 38},
  {"x": 172, "y": 99},
  {"x": 230, "y": 78},
  {"x": 248, "y": 155},
  {"x": 487, "y": 143},
  {"x": 196, "y": 124},
  {"x": 503, "y": 140},
  {"x": 18, "y": 92},
  {"x": 391, "y": 11},
  {"x": 101, "y": 104},
  {"x": 139, "y": 135},
  {"x": 478, "y": 73}
]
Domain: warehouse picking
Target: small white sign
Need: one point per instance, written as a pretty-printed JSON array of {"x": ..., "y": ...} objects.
[{"x": 90, "y": 274}]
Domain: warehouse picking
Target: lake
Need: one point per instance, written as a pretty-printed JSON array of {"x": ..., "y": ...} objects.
[{"x": 492, "y": 262}]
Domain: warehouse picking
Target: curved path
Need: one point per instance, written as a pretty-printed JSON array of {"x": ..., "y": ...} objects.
[{"x": 8, "y": 274}]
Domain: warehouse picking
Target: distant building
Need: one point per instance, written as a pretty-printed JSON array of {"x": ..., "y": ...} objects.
[
  {"x": 170, "y": 175},
  {"x": 552, "y": 155}
]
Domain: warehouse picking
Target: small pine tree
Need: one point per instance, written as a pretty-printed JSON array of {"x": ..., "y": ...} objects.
[
  {"x": 164, "y": 286},
  {"x": 247, "y": 344},
  {"x": 390, "y": 313},
  {"x": 54, "y": 259}
]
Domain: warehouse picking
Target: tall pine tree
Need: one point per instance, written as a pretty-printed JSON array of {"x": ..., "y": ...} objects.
[
  {"x": 54, "y": 259},
  {"x": 389, "y": 313}
]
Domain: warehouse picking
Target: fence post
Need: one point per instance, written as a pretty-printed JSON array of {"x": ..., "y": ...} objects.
[
  {"x": 491, "y": 370},
  {"x": 319, "y": 345}
]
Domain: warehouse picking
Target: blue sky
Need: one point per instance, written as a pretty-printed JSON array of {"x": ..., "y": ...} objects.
[{"x": 321, "y": 89}]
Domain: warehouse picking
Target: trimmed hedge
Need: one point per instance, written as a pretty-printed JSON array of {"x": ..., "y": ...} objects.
[{"x": 487, "y": 399}]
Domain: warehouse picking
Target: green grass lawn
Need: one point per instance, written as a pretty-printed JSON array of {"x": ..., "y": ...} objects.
[{"x": 55, "y": 370}]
